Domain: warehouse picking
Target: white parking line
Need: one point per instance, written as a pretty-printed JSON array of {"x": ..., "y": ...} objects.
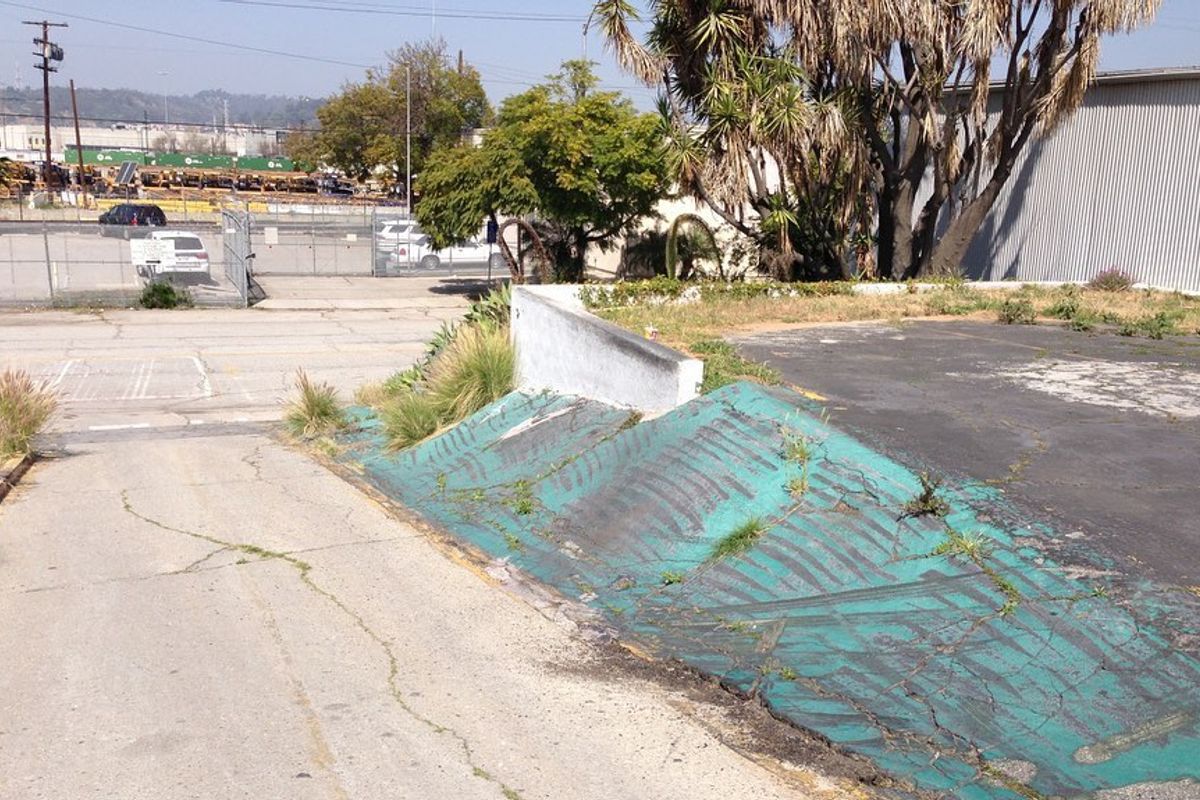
[
  {"x": 205, "y": 383},
  {"x": 126, "y": 427},
  {"x": 58, "y": 379}
]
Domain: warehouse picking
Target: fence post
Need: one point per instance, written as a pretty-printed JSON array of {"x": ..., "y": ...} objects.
[{"x": 49, "y": 270}]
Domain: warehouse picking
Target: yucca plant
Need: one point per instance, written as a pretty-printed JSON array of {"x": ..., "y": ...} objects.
[
  {"x": 315, "y": 410},
  {"x": 26, "y": 406}
]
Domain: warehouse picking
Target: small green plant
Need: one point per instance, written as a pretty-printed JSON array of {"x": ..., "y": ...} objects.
[
  {"x": 494, "y": 308},
  {"x": 514, "y": 543},
  {"x": 788, "y": 674},
  {"x": 723, "y": 366},
  {"x": 315, "y": 410},
  {"x": 973, "y": 546},
  {"x": 671, "y": 577},
  {"x": 161, "y": 294},
  {"x": 928, "y": 502},
  {"x": 26, "y": 406},
  {"x": 795, "y": 447},
  {"x": 1017, "y": 311},
  {"x": 522, "y": 501},
  {"x": 740, "y": 539},
  {"x": 1112, "y": 279},
  {"x": 441, "y": 482},
  {"x": 798, "y": 487},
  {"x": 1083, "y": 321},
  {"x": 1067, "y": 306},
  {"x": 1155, "y": 327}
]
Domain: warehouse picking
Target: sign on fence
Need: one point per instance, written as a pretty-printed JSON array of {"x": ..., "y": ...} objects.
[{"x": 153, "y": 255}]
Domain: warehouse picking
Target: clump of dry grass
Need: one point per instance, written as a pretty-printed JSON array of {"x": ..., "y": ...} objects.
[
  {"x": 26, "y": 406},
  {"x": 315, "y": 410},
  {"x": 477, "y": 368}
]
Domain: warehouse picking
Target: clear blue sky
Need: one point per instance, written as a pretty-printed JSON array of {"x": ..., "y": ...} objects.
[{"x": 512, "y": 50}]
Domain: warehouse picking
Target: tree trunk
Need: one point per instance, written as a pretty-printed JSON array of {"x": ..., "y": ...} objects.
[
  {"x": 579, "y": 259},
  {"x": 951, "y": 249},
  {"x": 901, "y": 230}
]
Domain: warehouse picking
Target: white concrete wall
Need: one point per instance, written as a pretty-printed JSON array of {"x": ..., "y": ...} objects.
[{"x": 561, "y": 347}]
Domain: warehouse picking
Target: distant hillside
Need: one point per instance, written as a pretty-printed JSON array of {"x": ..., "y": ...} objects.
[{"x": 107, "y": 106}]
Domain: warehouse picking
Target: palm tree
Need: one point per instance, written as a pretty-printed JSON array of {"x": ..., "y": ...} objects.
[{"x": 840, "y": 109}]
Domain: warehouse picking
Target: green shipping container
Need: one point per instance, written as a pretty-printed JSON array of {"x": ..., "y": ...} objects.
[
  {"x": 265, "y": 164},
  {"x": 104, "y": 158},
  {"x": 190, "y": 161}
]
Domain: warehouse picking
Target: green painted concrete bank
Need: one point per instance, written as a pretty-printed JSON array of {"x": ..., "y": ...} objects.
[{"x": 962, "y": 669}]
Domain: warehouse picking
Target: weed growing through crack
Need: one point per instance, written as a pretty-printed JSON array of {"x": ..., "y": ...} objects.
[
  {"x": 796, "y": 448},
  {"x": 788, "y": 674},
  {"x": 977, "y": 548},
  {"x": 740, "y": 539},
  {"x": 514, "y": 543},
  {"x": 798, "y": 487},
  {"x": 522, "y": 502},
  {"x": 671, "y": 577},
  {"x": 441, "y": 483},
  {"x": 927, "y": 503},
  {"x": 632, "y": 420},
  {"x": 973, "y": 546}
]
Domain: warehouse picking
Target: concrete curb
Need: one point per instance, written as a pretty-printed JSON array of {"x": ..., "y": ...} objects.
[
  {"x": 563, "y": 348},
  {"x": 11, "y": 472}
]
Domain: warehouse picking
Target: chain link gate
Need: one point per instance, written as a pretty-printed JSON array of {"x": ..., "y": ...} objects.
[{"x": 235, "y": 226}]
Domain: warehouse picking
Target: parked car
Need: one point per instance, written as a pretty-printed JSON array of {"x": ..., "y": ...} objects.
[
  {"x": 131, "y": 220},
  {"x": 393, "y": 232},
  {"x": 418, "y": 253},
  {"x": 190, "y": 255}
]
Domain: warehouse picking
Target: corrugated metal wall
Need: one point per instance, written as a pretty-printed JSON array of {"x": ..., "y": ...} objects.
[{"x": 1118, "y": 185}]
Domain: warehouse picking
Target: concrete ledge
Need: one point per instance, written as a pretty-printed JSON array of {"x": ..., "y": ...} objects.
[{"x": 566, "y": 349}]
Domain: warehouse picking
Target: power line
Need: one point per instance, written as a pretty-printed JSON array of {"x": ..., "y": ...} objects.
[
  {"x": 188, "y": 37},
  {"x": 408, "y": 11}
]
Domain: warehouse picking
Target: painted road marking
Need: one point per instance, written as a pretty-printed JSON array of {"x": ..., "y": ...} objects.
[
  {"x": 129, "y": 380},
  {"x": 124, "y": 427}
]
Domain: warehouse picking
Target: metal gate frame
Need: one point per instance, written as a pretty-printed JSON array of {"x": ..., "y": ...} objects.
[{"x": 238, "y": 257}]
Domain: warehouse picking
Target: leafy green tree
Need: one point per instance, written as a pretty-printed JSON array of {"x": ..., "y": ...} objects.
[
  {"x": 584, "y": 162},
  {"x": 363, "y": 127}
]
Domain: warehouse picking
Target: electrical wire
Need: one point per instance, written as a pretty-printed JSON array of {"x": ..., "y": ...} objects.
[{"x": 409, "y": 11}]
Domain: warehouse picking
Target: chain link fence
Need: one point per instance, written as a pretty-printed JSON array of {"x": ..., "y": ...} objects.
[
  {"x": 56, "y": 262},
  {"x": 64, "y": 257}
]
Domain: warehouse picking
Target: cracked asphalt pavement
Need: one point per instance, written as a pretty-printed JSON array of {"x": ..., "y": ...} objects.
[
  {"x": 191, "y": 609},
  {"x": 1097, "y": 434}
]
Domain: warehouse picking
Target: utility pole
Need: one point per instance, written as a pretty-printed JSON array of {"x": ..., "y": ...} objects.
[
  {"x": 78, "y": 141},
  {"x": 49, "y": 52},
  {"x": 408, "y": 139}
]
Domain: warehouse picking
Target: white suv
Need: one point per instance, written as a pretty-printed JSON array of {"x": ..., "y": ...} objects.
[{"x": 190, "y": 256}]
